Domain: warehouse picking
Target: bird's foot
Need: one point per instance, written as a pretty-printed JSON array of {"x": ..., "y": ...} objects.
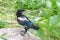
[{"x": 22, "y": 33}]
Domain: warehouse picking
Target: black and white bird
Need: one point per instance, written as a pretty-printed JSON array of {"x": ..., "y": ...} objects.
[{"x": 24, "y": 21}]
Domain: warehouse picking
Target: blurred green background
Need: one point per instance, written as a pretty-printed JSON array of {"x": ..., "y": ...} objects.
[{"x": 44, "y": 13}]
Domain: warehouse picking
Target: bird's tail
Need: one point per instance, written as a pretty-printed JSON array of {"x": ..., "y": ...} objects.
[{"x": 35, "y": 27}]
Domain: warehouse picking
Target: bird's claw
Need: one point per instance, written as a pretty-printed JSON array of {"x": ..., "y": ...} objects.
[{"x": 22, "y": 33}]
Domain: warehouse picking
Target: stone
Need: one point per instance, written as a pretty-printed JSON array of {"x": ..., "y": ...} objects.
[{"x": 15, "y": 34}]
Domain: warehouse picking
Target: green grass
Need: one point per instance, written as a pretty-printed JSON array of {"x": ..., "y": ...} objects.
[{"x": 44, "y": 13}]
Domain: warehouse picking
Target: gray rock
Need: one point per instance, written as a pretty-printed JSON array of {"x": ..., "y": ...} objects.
[{"x": 15, "y": 34}]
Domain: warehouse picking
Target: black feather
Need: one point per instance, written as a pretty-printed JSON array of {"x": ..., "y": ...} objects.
[{"x": 19, "y": 12}]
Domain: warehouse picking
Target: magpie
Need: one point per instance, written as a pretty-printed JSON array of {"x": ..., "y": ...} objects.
[{"x": 24, "y": 21}]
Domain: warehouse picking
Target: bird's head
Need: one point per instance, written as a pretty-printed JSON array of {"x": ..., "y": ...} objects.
[{"x": 19, "y": 12}]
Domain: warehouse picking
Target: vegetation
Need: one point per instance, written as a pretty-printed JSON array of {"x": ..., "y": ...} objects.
[{"x": 44, "y": 13}]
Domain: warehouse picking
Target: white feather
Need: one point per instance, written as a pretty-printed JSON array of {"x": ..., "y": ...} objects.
[{"x": 22, "y": 18}]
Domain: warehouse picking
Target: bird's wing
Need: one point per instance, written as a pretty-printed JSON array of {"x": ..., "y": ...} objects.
[{"x": 28, "y": 23}]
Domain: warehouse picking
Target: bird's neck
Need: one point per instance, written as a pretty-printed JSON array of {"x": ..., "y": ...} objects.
[{"x": 20, "y": 15}]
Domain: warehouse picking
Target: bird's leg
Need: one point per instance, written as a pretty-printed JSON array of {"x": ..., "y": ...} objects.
[{"x": 26, "y": 29}]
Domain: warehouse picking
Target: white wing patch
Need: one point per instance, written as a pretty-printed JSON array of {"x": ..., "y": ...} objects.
[{"x": 22, "y": 18}]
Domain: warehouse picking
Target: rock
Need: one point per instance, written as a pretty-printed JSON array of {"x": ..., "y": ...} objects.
[{"x": 15, "y": 34}]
